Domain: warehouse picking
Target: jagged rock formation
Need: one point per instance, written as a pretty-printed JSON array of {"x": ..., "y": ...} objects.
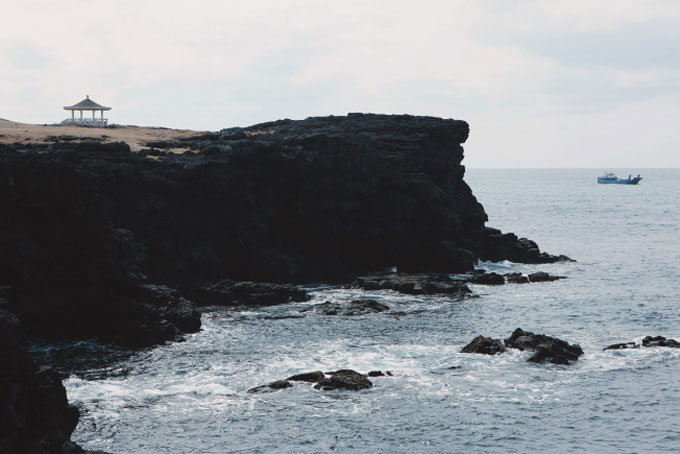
[
  {"x": 86, "y": 227},
  {"x": 35, "y": 416},
  {"x": 356, "y": 307},
  {"x": 484, "y": 345},
  {"x": 648, "y": 341},
  {"x": 345, "y": 379},
  {"x": 546, "y": 348}
]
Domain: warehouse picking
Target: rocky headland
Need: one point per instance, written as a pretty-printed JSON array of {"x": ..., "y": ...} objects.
[{"x": 101, "y": 240}]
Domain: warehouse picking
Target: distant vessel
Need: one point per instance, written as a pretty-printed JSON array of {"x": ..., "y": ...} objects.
[{"x": 610, "y": 178}]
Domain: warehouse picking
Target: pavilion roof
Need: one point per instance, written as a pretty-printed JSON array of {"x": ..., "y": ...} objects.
[{"x": 87, "y": 104}]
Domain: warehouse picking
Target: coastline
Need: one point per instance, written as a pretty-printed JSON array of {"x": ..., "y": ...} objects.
[{"x": 123, "y": 245}]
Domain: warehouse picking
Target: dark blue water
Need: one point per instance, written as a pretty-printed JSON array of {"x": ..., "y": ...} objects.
[{"x": 191, "y": 397}]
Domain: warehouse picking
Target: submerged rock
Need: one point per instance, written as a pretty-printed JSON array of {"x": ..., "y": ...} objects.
[
  {"x": 484, "y": 346},
  {"x": 356, "y": 307},
  {"x": 344, "y": 379},
  {"x": 547, "y": 348}
]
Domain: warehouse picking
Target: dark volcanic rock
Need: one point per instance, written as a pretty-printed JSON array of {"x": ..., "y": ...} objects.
[
  {"x": 415, "y": 284},
  {"x": 344, "y": 379},
  {"x": 546, "y": 348},
  {"x": 84, "y": 224},
  {"x": 274, "y": 386},
  {"x": 496, "y": 246},
  {"x": 356, "y": 307},
  {"x": 516, "y": 278},
  {"x": 376, "y": 373},
  {"x": 649, "y": 341},
  {"x": 35, "y": 416},
  {"x": 488, "y": 279},
  {"x": 484, "y": 345},
  {"x": 660, "y": 341},
  {"x": 542, "y": 276},
  {"x": 173, "y": 307},
  {"x": 622, "y": 346},
  {"x": 310, "y": 377},
  {"x": 230, "y": 293}
]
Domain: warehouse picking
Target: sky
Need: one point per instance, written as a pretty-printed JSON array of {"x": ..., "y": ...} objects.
[{"x": 549, "y": 83}]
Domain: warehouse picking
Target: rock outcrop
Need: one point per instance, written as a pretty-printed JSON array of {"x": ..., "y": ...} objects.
[
  {"x": 344, "y": 379},
  {"x": 546, "y": 348},
  {"x": 649, "y": 341},
  {"x": 487, "y": 279},
  {"x": 351, "y": 308},
  {"x": 86, "y": 225},
  {"x": 35, "y": 416},
  {"x": 420, "y": 284},
  {"x": 484, "y": 346},
  {"x": 542, "y": 276}
]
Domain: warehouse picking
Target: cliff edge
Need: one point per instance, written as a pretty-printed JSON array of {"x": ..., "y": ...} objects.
[{"x": 96, "y": 239}]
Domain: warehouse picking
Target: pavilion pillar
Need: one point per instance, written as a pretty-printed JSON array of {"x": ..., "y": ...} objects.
[
  {"x": 73, "y": 114},
  {"x": 81, "y": 114}
]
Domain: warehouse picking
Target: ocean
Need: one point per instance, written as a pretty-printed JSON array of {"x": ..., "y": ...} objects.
[{"x": 190, "y": 397}]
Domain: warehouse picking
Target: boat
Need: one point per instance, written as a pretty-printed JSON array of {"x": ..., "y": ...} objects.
[{"x": 610, "y": 178}]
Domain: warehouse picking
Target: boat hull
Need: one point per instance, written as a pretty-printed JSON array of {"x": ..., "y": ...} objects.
[{"x": 635, "y": 180}]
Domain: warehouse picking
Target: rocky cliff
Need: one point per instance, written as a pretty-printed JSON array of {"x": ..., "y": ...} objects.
[
  {"x": 93, "y": 236},
  {"x": 35, "y": 416}
]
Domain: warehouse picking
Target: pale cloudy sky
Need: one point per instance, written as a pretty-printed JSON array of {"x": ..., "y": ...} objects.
[{"x": 551, "y": 83}]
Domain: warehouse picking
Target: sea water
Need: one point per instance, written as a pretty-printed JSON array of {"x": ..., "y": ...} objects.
[{"x": 191, "y": 397}]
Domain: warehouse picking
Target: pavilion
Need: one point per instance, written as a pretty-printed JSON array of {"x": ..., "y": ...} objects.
[{"x": 86, "y": 104}]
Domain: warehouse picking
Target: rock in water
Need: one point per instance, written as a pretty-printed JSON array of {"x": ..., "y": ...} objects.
[
  {"x": 542, "y": 276},
  {"x": 356, "y": 307},
  {"x": 309, "y": 377},
  {"x": 344, "y": 379},
  {"x": 516, "y": 278},
  {"x": 649, "y": 341},
  {"x": 410, "y": 284},
  {"x": 546, "y": 348},
  {"x": 273, "y": 386},
  {"x": 660, "y": 341},
  {"x": 484, "y": 346},
  {"x": 622, "y": 346}
]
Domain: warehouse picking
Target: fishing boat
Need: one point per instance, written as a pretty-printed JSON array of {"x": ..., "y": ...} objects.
[{"x": 610, "y": 178}]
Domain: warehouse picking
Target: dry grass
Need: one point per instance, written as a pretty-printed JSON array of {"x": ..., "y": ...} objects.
[
  {"x": 259, "y": 132},
  {"x": 135, "y": 136}
]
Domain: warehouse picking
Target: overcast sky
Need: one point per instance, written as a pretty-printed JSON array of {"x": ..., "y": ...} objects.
[{"x": 542, "y": 83}]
